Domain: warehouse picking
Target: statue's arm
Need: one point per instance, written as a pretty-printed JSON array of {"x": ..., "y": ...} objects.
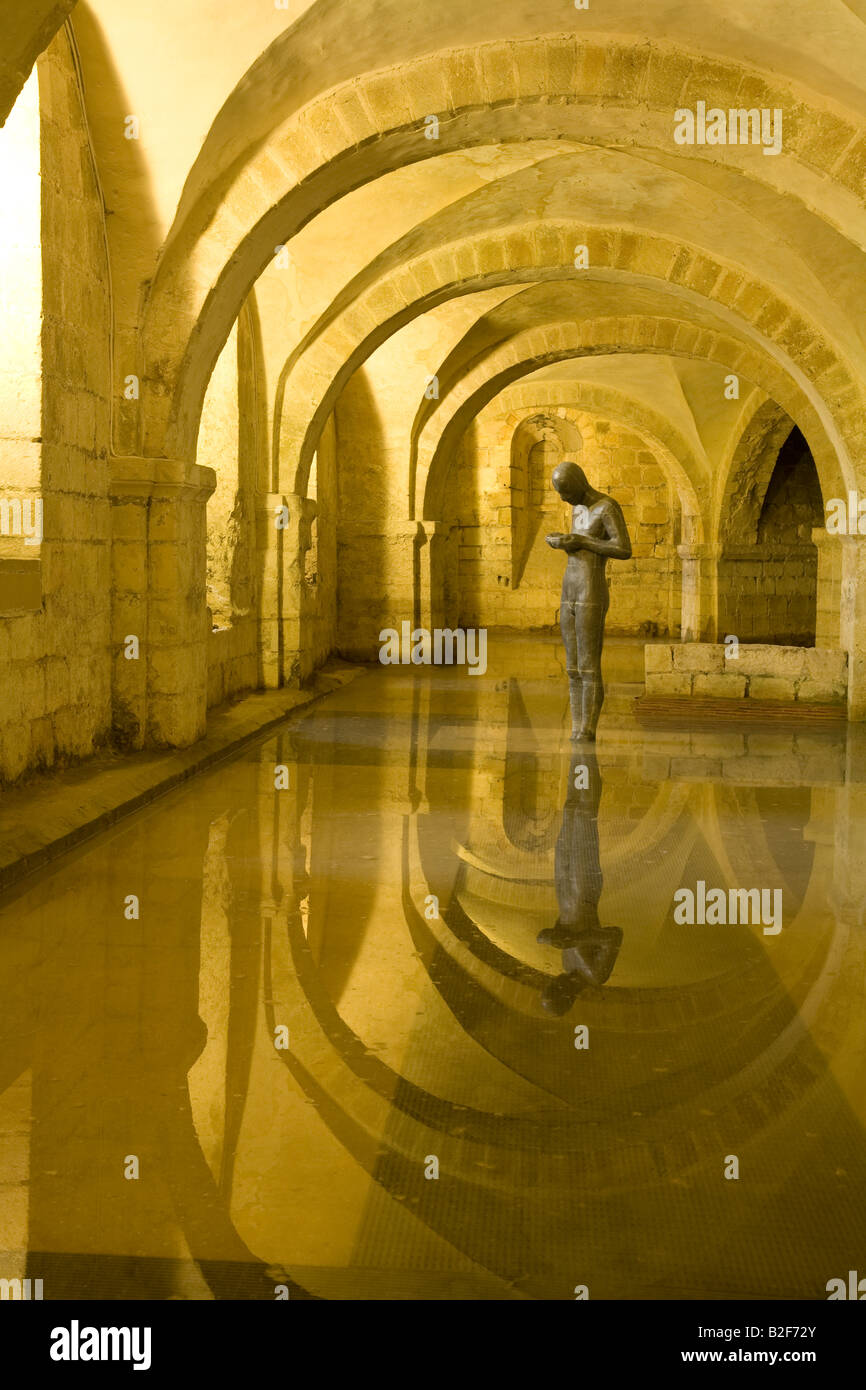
[{"x": 615, "y": 546}]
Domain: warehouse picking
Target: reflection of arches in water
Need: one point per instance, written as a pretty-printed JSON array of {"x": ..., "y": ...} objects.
[
  {"x": 509, "y": 895},
  {"x": 508, "y": 970},
  {"x": 505, "y": 949},
  {"x": 717, "y": 1039},
  {"x": 572, "y": 1143},
  {"x": 487, "y": 958},
  {"x": 128, "y": 995},
  {"x": 409, "y": 1121},
  {"x": 775, "y": 806},
  {"x": 581, "y": 1140},
  {"x": 387, "y": 1122},
  {"x": 340, "y": 894},
  {"x": 527, "y": 823},
  {"x": 713, "y": 831},
  {"x": 752, "y": 848}
]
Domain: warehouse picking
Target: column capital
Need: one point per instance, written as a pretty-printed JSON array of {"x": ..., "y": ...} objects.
[
  {"x": 436, "y": 528},
  {"x": 140, "y": 479}
]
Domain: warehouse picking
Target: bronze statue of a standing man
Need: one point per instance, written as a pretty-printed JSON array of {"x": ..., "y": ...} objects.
[{"x": 598, "y": 534}]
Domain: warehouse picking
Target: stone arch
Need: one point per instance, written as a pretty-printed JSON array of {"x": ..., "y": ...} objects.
[
  {"x": 793, "y": 511},
  {"x": 813, "y": 361},
  {"x": 541, "y": 346},
  {"x": 540, "y": 251},
  {"x": 536, "y": 61},
  {"x": 569, "y": 399},
  {"x": 768, "y": 586},
  {"x": 752, "y": 460},
  {"x": 494, "y": 93},
  {"x": 27, "y": 32}
]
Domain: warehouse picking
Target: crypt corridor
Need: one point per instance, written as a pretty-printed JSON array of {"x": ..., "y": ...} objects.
[{"x": 301, "y": 305}]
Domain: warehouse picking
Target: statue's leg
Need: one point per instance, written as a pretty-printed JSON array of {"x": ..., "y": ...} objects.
[
  {"x": 589, "y": 630},
  {"x": 569, "y": 638}
]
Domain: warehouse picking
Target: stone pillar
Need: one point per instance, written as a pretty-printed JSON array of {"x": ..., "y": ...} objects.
[
  {"x": 159, "y": 566},
  {"x": 299, "y": 599},
  {"x": 283, "y": 525},
  {"x": 432, "y": 588},
  {"x": 675, "y": 590},
  {"x": 852, "y": 625},
  {"x": 829, "y": 587},
  {"x": 380, "y": 584},
  {"x": 270, "y": 546},
  {"x": 700, "y": 591}
]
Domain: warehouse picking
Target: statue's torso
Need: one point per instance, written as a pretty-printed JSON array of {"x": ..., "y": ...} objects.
[{"x": 585, "y": 579}]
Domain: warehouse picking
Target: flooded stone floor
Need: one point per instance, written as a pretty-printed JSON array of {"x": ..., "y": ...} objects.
[{"x": 395, "y": 1005}]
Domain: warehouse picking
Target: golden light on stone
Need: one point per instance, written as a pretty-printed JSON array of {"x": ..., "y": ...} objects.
[{"x": 432, "y": 652}]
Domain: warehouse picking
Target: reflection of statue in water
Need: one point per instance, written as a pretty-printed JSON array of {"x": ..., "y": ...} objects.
[
  {"x": 589, "y": 950},
  {"x": 598, "y": 534}
]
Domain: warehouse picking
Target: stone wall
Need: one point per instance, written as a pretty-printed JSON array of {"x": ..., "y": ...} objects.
[
  {"x": 768, "y": 593},
  {"x": 759, "y": 672},
  {"x": 645, "y": 593},
  {"x": 55, "y": 663},
  {"x": 232, "y": 662}
]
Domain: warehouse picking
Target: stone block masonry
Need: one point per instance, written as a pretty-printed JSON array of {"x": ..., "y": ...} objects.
[
  {"x": 55, "y": 642},
  {"x": 809, "y": 675}
]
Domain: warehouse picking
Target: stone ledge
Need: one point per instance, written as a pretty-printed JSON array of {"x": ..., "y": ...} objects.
[
  {"x": 649, "y": 708},
  {"x": 55, "y": 812}
]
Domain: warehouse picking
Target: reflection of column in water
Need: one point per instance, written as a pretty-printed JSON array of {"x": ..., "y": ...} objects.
[
  {"x": 116, "y": 1029},
  {"x": 111, "y": 1082},
  {"x": 589, "y": 950}
]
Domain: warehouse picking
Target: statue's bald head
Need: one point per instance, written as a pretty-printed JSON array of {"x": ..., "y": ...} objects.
[{"x": 570, "y": 482}]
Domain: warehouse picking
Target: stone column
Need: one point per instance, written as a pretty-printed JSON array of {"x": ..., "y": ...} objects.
[
  {"x": 700, "y": 585},
  {"x": 829, "y": 586},
  {"x": 432, "y": 552},
  {"x": 299, "y": 599},
  {"x": 270, "y": 546},
  {"x": 675, "y": 589},
  {"x": 380, "y": 584},
  {"x": 283, "y": 525},
  {"x": 852, "y": 625},
  {"x": 159, "y": 566}
]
